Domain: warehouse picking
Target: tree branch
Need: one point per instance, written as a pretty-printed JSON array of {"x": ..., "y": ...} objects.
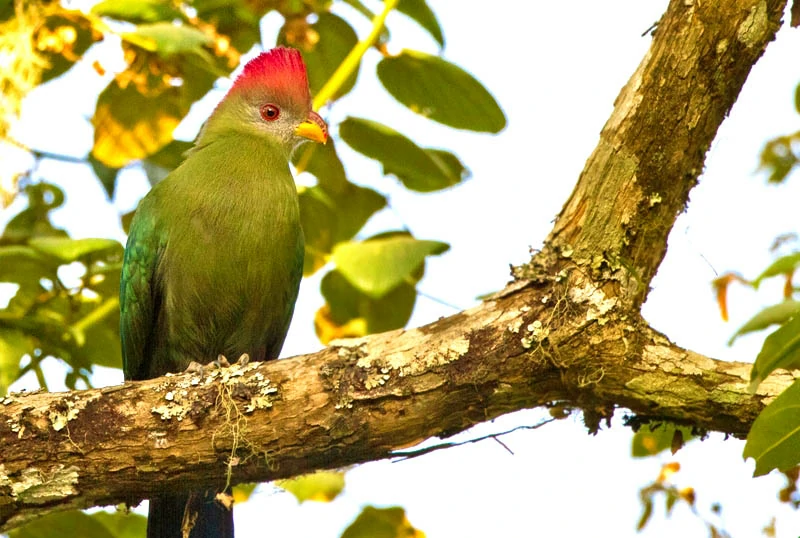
[{"x": 568, "y": 330}]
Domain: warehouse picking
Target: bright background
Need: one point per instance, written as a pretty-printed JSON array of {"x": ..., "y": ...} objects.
[{"x": 555, "y": 68}]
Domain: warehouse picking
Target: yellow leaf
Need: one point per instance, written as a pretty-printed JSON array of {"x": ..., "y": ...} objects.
[
  {"x": 382, "y": 523},
  {"x": 668, "y": 470},
  {"x": 241, "y": 492},
  {"x": 130, "y": 125},
  {"x": 328, "y": 330},
  {"x": 323, "y": 486}
]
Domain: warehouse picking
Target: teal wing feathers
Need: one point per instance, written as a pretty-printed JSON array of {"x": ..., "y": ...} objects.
[{"x": 139, "y": 295}]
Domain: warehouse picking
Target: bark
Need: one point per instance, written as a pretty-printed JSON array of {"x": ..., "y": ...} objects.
[{"x": 567, "y": 332}]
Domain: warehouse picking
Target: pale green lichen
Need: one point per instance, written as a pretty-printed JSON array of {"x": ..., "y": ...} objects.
[
  {"x": 753, "y": 29},
  {"x": 170, "y": 411},
  {"x": 381, "y": 368},
  {"x": 344, "y": 402},
  {"x": 35, "y": 485},
  {"x": 516, "y": 325},
  {"x": 376, "y": 380},
  {"x": 177, "y": 393},
  {"x": 655, "y": 199},
  {"x": 535, "y": 332},
  {"x": 5, "y": 481},
  {"x": 60, "y": 417},
  {"x": 677, "y": 394},
  {"x": 598, "y": 303}
]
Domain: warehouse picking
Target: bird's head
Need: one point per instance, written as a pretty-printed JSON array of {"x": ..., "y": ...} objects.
[{"x": 271, "y": 99}]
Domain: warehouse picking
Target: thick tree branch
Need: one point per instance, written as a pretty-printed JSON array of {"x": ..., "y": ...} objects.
[
  {"x": 356, "y": 401},
  {"x": 652, "y": 149},
  {"x": 568, "y": 331}
]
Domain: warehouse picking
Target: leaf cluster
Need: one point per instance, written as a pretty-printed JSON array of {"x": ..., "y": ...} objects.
[
  {"x": 774, "y": 439},
  {"x": 174, "y": 54}
]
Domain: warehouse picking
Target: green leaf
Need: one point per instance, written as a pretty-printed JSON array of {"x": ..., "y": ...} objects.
[
  {"x": 774, "y": 438},
  {"x": 778, "y": 158},
  {"x": 106, "y": 174},
  {"x": 241, "y": 492},
  {"x": 772, "y": 315},
  {"x": 419, "y": 11},
  {"x": 382, "y": 523},
  {"x": 349, "y": 312},
  {"x": 359, "y": 6},
  {"x": 100, "y": 343},
  {"x": 69, "y": 35},
  {"x": 370, "y": 15},
  {"x": 130, "y": 125},
  {"x": 647, "y": 512},
  {"x": 158, "y": 165},
  {"x": 67, "y": 250},
  {"x": 782, "y": 266},
  {"x": 797, "y": 98},
  {"x": 137, "y": 11},
  {"x": 441, "y": 91},
  {"x": 137, "y": 120},
  {"x": 333, "y": 39},
  {"x": 34, "y": 221},
  {"x": 781, "y": 349},
  {"x": 649, "y": 442},
  {"x": 14, "y": 345},
  {"x": 6, "y": 9},
  {"x": 331, "y": 217},
  {"x": 419, "y": 169},
  {"x": 322, "y": 486},
  {"x": 168, "y": 39},
  {"x": 72, "y": 523},
  {"x": 451, "y": 164},
  {"x": 376, "y": 266},
  {"x": 25, "y": 265},
  {"x": 322, "y": 161},
  {"x": 122, "y": 524},
  {"x": 235, "y": 19}
]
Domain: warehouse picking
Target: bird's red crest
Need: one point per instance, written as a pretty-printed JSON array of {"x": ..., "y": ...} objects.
[{"x": 280, "y": 70}]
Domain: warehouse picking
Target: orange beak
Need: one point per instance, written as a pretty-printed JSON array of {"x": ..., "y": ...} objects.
[{"x": 314, "y": 128}]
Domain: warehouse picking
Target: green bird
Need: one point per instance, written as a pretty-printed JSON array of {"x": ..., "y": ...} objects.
[{"x": 215, "y": 253}]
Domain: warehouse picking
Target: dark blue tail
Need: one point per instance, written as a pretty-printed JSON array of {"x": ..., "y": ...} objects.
[{"x": 167, "y": 514}]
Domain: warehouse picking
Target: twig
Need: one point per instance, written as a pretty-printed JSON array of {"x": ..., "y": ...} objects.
[
  {"x": 427, "y": 450},
  {"x": 350, "y": 63}
]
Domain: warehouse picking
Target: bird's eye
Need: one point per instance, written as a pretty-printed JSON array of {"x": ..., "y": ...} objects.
[{"x": 270, "y": 112}]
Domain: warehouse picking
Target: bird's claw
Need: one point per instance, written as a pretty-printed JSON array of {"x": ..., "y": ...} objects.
[
  {"x": 221, "y": 362},
  {"x": 194, "y": 368}
]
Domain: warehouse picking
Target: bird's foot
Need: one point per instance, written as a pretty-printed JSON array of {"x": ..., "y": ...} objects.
[
  {"x": 220, "y": 362},
  {"x": 194, "y": 368}
]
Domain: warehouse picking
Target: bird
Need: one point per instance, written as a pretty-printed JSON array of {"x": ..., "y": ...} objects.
[{"x": 214, "y": 255}]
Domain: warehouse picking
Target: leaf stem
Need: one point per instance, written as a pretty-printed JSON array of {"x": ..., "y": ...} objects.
[
  {"x": 78, "y": 328},
  {"x": 351, "y": 62}
]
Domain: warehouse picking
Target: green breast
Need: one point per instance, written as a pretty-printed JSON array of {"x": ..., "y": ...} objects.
[{"x": 230, "y": 256}]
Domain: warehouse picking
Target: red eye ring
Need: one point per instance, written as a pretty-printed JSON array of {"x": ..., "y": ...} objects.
[{"x": 270, "y": 112}]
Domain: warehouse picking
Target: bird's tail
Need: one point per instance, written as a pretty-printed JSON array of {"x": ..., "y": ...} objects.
[{"x": 189, "y": 515}]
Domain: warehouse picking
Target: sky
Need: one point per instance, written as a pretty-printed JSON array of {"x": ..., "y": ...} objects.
[{"x": 555, "y": 68}]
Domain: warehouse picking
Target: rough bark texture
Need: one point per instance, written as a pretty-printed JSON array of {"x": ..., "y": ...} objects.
[{"x": 567, "y": 331}]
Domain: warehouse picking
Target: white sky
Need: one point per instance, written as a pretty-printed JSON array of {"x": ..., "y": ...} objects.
[{"x": 555, "y": 68}]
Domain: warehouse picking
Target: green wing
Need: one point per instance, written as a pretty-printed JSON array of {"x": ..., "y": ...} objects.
[{"x": 139, "y": 297}]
